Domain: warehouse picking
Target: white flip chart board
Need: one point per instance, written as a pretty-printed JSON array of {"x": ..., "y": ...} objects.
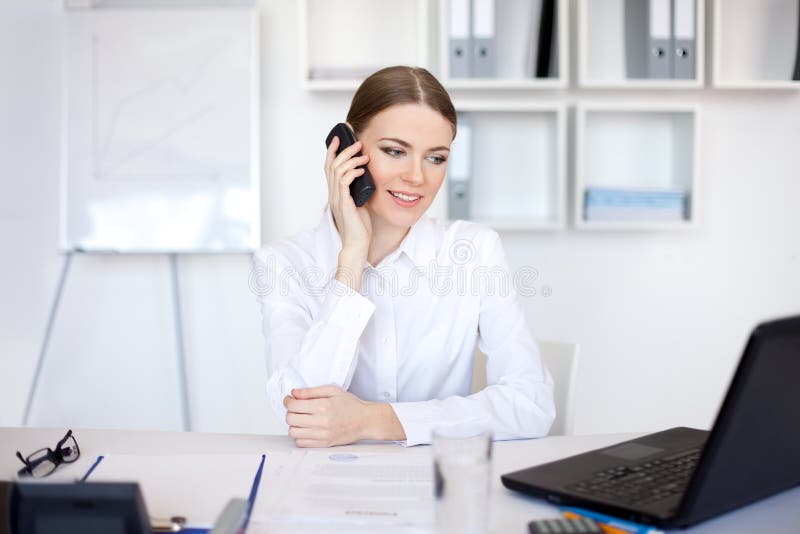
[{"x": 160, "y": 133}]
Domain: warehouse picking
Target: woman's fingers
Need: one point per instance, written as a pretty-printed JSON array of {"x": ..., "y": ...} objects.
[
  {"x": 330, "y": 155},
  {"x": 349, "y": 164},
  {"x": 302, "y": 420},
  {"x": 347, "y": 179},
  {"x": 342, "y": 169},
  {"x": 319, "y": 392},
  {"x": 297, "y": 432},
  {"x": 348, "y": 172},
  {"x": 304, "y": 406},
  {"x": 346, "y": 154},
  {"x": 341, "y": 197},
  {"x": 310, "y": 443}
]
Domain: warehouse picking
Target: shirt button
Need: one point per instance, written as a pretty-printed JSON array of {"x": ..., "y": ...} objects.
[{"x": 386, "y": 340}]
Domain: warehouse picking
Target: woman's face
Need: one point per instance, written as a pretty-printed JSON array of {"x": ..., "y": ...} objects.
[{"x": 408, "y": 146}]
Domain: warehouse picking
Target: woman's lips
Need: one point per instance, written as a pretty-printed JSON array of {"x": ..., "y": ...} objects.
[{"x": 405, "y": 203}]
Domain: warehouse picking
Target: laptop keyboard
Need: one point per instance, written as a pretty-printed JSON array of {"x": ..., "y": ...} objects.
[{"x": 644, "y": 483}]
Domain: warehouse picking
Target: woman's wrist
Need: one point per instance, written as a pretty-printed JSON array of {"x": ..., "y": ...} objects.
[
  {"x": 381, "y": 423},
  {"x": 350, "y": 268}
]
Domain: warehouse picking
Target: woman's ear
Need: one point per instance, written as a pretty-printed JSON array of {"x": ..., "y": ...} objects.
[{"x": 352, "y": 130}]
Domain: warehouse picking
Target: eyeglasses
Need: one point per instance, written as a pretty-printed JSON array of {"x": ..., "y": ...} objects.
[{"x": 44, "y": 461}]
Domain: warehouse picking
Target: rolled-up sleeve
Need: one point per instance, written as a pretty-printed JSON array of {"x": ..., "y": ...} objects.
[
  {"x": 305, "y": 348},
  {"x": 518, "y": 400}
]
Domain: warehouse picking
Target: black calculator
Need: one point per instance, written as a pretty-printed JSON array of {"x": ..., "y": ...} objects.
[{"x": 582, "y": 525}]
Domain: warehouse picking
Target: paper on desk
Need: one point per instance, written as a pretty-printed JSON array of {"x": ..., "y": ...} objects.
[
  {"x": 348, "y": 488},
  {"x": 196, "y": 487}
]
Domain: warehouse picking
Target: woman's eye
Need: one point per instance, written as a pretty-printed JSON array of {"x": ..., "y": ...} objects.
[
  {"x": 437, "y": 160},
  {"x": 393, "y": 152}
]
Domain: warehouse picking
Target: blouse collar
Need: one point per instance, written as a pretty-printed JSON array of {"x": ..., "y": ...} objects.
[{"x": 419, "y": 244}]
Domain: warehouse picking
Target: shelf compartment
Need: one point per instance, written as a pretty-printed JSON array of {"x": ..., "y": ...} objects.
[
  {"x": 344, "y": 41},
  {"x": 516, "y": 25},
  {"x": 659, "y": 145},
  {"x": 614, "y": 46},
  {"x": 516, "y": 166},
  {"x": 756, "y": 44}
]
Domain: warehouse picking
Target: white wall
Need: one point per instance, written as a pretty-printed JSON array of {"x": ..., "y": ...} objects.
[{"x": 661, "y": 316}]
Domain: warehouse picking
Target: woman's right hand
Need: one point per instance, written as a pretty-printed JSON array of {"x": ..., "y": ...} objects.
[{"x": 353, "y": 223}]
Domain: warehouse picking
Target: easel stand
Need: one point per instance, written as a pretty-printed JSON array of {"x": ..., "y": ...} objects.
[{"x": 180, "y": 351}]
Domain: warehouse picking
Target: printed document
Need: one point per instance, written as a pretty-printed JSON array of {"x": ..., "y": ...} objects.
[{"x": 356, "y": 488}]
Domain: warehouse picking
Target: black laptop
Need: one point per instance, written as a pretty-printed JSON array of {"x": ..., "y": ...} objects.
[{"x": 682, "y": 476}]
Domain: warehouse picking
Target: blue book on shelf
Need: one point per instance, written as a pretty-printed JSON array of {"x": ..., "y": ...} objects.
[
  {"x": 615, "y": 203},
  {"x": 619, "y": 196}
]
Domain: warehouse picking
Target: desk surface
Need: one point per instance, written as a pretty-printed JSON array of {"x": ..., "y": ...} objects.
[{"x": 510, "y": 511}]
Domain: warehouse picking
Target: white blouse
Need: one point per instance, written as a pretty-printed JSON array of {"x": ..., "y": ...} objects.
[{"x": 408, "y": 338}]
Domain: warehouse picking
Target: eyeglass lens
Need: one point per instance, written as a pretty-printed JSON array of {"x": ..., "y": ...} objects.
[
  {"x": 69, "y": 450},
  {"x": 40, "y": 463}
]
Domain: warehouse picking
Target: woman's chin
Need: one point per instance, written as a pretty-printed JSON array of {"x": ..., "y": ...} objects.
[{"x": 400, "y": 216}]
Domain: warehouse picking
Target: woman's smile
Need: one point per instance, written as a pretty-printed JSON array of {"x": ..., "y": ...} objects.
[{"x": 405, "y": 199}]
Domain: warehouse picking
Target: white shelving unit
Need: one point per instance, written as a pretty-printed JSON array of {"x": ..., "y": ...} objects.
[
  {"x": 755, "y": 44},
  {"x": 636, "y": 147},
  {"x": 515, "y": 28},
  {"x": 602, "y": 48},
  {"x": 518, "y": 149},
  {"x": 341, "y": 42},
  {"x": 517, "y": 164}
]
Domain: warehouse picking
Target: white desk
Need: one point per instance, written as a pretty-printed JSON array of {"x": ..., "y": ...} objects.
[{"x": 510, "y": 511}]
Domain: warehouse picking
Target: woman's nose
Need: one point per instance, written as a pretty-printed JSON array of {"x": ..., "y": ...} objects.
[{"x": 414, "y": 175}]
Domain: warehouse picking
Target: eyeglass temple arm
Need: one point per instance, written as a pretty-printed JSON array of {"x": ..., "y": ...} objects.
[
  {"x": 23, "y": 460},
  {"x": 64, "y": 439},
  {"x": 25, "y": 470}
]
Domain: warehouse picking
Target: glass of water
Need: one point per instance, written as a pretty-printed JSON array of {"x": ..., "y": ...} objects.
[{"x": 462, "y": 478}]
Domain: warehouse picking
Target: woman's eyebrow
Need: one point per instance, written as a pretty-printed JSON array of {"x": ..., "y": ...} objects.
[{"x": 405, "y": 144}]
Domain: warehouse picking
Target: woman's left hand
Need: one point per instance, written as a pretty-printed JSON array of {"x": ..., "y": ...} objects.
[{"x": 325, "y": 416}]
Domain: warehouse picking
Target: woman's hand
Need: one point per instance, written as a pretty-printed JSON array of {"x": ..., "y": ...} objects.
[
  {"x": 326, "y": 416},
  {"x": 353, "y": 223}
]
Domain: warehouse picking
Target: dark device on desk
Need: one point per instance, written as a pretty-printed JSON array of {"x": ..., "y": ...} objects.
[
  {"x": 682, "y": 476},
  {"x": 363, "y": 186},
  {"x": 78, "y": 508},
  {"x": 584, "y": 525},
  {"x": 5, "y": 513}
]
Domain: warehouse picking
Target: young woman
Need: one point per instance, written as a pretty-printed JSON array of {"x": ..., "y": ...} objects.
[{"x": 371, "y": 318}]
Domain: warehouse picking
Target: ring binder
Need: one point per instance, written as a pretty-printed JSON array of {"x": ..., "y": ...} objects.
[
  {"x": 483, "y": 46},
  {"x": 660, "y": 39},
  {"x": 660, "y": 44},
  {"x": 637, "y": 35},
  {"x": 546, "y": 47},
  {"x": 460, "y": 45},
  {"x": 459, "y": 172},
  {"x": 796, "y": 75},
  {"x": 684, "y": 38}
]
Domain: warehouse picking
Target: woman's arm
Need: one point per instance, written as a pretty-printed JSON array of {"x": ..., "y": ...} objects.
[
  {"x": 302, "y": 350},
  {"x": 307, "y": 351}
]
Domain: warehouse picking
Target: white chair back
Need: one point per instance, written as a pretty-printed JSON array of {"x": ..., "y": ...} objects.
[{"x": 561, "y": 360}]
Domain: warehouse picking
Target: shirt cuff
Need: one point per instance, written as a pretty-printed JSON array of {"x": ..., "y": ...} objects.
[
  {"x": 415, "y": 417},
  {"x": 346, "y": 308}
]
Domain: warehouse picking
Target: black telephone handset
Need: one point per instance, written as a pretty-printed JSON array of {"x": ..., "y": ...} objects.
[{"x": 363, "y": 186}]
